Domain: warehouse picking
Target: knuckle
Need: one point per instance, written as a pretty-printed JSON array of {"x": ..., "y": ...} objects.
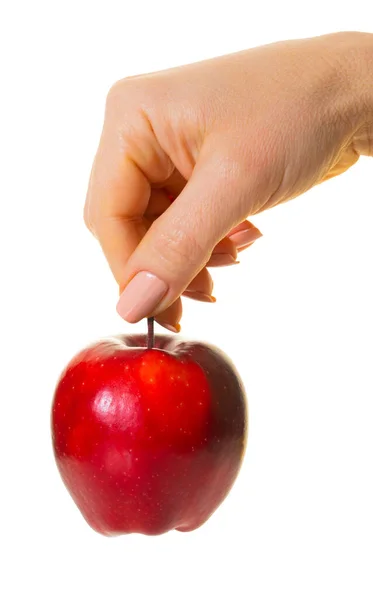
[
  {"x": 179, "y": 249},
  {"x": 124, "y": 94},
  {"x": 117, "y": 99},
  {"x": 115, "y": 92}
]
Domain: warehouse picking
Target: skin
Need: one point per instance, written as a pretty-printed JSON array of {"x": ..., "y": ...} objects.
[{"x": 187, "y": 155}]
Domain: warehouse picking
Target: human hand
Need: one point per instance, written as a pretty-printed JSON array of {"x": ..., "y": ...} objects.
[{"x": 227, "y": 138}]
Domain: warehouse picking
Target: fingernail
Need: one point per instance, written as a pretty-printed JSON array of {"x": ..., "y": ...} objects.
[
  {"x": 221, "y": 260},
  {"x": 141, "y": 297},
  {"x": 174, "y": 328},
  {"x": 199, "y": 296},
  {"x": 244, "y": 247},
  {"x": 245, "y": 237}
]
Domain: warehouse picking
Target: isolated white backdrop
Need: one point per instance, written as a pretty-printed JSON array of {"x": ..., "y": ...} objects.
[{"x": 295, "y": 316}]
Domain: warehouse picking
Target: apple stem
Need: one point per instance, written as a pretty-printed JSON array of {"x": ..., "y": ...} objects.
[{"x": 150, "y": 333}]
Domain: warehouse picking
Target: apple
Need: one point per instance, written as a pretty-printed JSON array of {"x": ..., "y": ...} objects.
[{"x": 149, "y": 435}]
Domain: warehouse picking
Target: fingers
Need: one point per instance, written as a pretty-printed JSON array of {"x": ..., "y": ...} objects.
[
  {"x": 170, "y": 318},
  {"x": 120, "y": 192},
  {"x": 200, "y": 288},
  {"x": 244, "y": 235},
  {"x": 224, "y": 254},
  {"x": 157, "y": 248},
  {"x": 238, "y": 239},
  {"x": 179, "y": 244},
  {"x": 117, "y": 199}
]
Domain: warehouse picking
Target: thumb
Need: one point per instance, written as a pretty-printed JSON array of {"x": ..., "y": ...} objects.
[{"x": 180, "y": 242}]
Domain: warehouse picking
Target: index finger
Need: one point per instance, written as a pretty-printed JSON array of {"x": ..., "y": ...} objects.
[{"x": 117, "y": 198}]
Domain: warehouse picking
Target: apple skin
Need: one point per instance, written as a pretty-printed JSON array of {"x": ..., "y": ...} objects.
[{"x": 149, "y": 440}]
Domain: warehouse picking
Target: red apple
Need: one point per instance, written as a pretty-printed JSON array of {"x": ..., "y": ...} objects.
[{"x": 149, "y": 440}]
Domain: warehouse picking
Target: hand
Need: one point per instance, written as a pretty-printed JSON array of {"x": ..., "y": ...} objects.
[{"x": 226, "y": 139}]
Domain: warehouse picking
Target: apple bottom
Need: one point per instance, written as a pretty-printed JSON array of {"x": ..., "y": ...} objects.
[{"x": 169, "y": 492}]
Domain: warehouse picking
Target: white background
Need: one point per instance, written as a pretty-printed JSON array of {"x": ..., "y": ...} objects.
[{"x": 295, "y": 316}]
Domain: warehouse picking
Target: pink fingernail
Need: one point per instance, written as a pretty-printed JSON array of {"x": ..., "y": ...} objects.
[
  {"x": 174, "y": 328},
  {"x": 221, "y": 260},
  {"x": 244, "y": 247},
  {"x": 141, "y": 297},
  {"x": 199, "y": 296},
  {"x": 245, "y": 237}
]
